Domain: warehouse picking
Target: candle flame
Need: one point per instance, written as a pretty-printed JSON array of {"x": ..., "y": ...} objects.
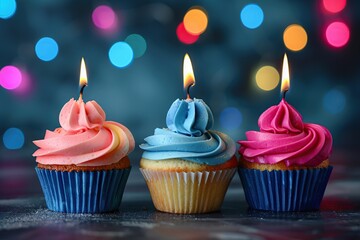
[
  {"x": 188, "y": 75},
  {"x": 83, "y": 76},
  {"x": 285, "y": 78}
]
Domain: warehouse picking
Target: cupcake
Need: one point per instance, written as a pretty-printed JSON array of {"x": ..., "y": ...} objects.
[
  {"x": 83, "y": 165},
  {"x": 187, "y": 166},
  {"x": 285, "y": 165}
]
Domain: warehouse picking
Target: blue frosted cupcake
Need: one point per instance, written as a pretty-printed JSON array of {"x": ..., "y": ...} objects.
[{"x": 187, "y": 166}]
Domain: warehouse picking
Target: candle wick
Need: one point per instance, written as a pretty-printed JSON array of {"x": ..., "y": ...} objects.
[
  {"x": 188, "y": 91},
  {"x": 284, "y": 94},
  {"x": 82, "y": 91}
]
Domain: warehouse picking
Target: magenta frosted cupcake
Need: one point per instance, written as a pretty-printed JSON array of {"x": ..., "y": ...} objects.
[{"x": 285, "y": 165}]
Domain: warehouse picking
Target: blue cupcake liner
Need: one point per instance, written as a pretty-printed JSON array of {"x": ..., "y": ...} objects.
[
  {"x": 83, "y": 191},
  {"x": 285, "y": 190}
]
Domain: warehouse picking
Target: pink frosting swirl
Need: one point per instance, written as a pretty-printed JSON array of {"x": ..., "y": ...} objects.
[
  {"x": 284, "y": 137},
  {"x": 84, "y": 138}
]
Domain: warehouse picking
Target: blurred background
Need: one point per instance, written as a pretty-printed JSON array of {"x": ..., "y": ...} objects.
[{"x": 134, "y": 52}]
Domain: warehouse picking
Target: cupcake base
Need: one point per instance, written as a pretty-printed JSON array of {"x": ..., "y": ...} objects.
[
  {"x": 285, "y": 190},
  {"x": 83, "y": 191},
  {"x": 188, "y": 192}
]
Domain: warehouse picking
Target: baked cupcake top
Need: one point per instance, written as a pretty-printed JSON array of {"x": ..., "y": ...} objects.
[
  {"x": 283, "y": 136},
  {"x": 85, "y": 138},
  {"x": 188, "y": 137}
]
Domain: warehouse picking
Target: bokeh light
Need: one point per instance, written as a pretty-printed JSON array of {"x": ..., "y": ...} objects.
[
  {"x": 46, "y": 49},
  {"x": 252, "y": 16},
  {"x": 27, "y": 84},
  {"x": 295, "y": 37},
  {"x": 334, "y": 101},
  {"x": 184, "y": 36},
  {"x": 267, "y": 78},
  {"x": 195, "y": 21},
  {"x": 121, "y": 54},
  {"x": 104, "y": 17},
  {"x": 334, "y": 6},
  {"x": 10, "y": 77},
  {"x": 137, "y": 43},
  {"x": 13, "y": 138},
  {"x": 337, "y": 34},
  {"x": 7, "y": 8},
  {"x": 230, "y": 118}
]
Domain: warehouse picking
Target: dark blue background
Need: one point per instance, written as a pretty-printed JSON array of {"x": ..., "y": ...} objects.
[{"x": 225, "y": 59}]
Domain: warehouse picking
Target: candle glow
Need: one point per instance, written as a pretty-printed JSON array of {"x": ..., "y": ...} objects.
[
  {"x": 83, "y": 81},
  {"x": 285, "y": 76},
  {"x": 83, "y": 76},
  {"x": 188, "y": 75}
]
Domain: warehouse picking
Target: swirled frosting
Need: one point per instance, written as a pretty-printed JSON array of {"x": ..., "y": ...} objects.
[
  {"x": 189, "y": 117},
  {"x": 284, "y": 137},
  {"x": 85, "y": 138},
  {"x": 187, "y": 136}
]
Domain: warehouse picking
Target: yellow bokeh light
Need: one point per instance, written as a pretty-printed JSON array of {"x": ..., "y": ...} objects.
[
  {"x": 267, "y": 78},
  {"x": 295, "y": 37},
  {"x": 195, "y": 21}
]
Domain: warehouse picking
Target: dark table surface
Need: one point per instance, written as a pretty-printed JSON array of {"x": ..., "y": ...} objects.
[{"x": 23, "y": 214}]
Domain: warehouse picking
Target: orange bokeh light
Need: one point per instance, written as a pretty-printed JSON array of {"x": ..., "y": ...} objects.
[
  {"x": 295, "y": 37},
  {"x": 195, "y": 21}
]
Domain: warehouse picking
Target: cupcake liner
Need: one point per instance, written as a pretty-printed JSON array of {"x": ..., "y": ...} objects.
[
  {"x": 188, "y": 192},
  {"x": 83, "y": 191},
  {"x": 285, "y": 190}
]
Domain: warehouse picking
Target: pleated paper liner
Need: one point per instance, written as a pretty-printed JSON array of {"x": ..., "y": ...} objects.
[
  {"x": 83, "y": 191},
  {"x": 288, "y": 190},
  {"x": 188, "y": 192}
]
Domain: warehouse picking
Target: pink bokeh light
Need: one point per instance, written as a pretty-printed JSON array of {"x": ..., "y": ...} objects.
[
  {"x": 334, "y": 6},
  {"x": 10, "y": 77},
  {"x": 184, "y": 36},
  {"x": 337, "y": 34},
  {"x": 26, "y": 86},
  {"x": 104, "y": 18}
]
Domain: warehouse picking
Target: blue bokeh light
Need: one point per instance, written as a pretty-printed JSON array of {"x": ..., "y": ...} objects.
[
  {"x": 13, "y": 138},
  {"x": 121, "y": 54},
  {"x": 46, "y": 49},
  {"x": 137, "y": 43},
  {"x": 7, "y": 8},
  {"x": 230, "y": 118},
  {"x": 252, "y": 16},
  {"x": 334, "y": 101}
]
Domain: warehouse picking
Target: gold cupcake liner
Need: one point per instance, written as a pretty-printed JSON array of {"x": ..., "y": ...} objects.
[{"x": 188, "y": 192}]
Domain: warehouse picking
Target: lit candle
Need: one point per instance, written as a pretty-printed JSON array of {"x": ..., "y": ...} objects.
[
  {"x": 188, "y": 75},
  {"x": 83, "y": 78},
  {"x": 181, "y": 117},
  {"x": 285, "y": 77}
]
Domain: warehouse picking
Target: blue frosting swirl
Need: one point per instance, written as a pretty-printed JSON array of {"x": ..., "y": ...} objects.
[
  {"x": 189, "y": 117},
  {"x": 187, "y": 136},
  {"x": 211, "y": 148}
]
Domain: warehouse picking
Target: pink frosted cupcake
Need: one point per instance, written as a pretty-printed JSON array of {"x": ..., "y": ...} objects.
[
  {"x": 285, "y": 165},
  {"x": 83, "y": 165}
]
